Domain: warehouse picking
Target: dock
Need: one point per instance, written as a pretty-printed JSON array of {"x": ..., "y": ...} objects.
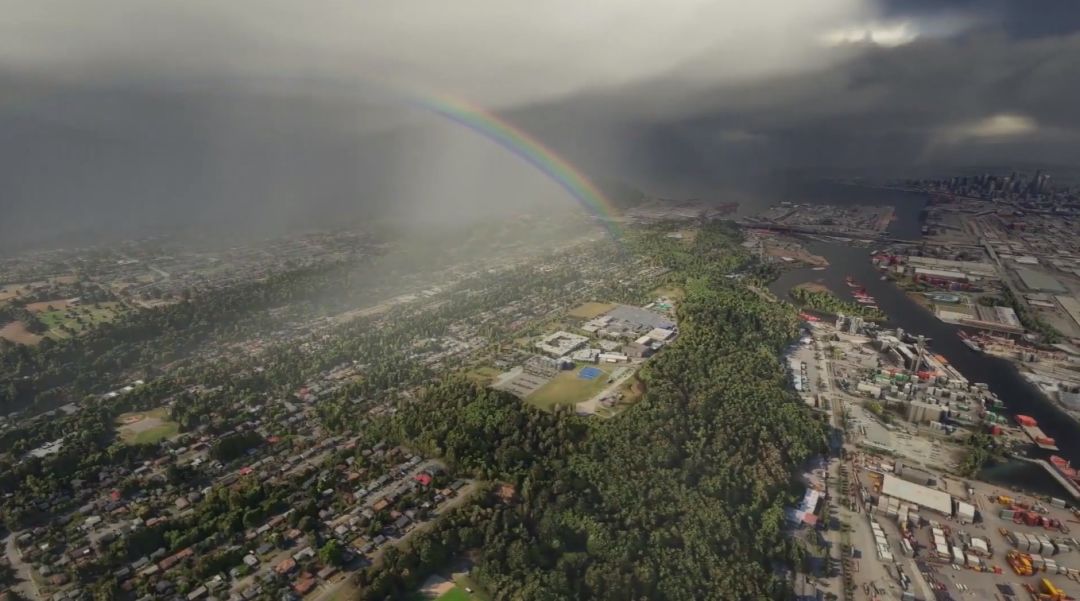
[
  {"x": 1036, "y": 435},
  {"x": 1065, "y": 483}
]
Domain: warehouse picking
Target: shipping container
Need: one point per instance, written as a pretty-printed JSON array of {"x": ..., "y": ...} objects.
[{"x": 957, "y": 556}]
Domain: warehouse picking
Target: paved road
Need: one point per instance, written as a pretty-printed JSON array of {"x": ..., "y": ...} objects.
[
  {"x": 26, "y": 585},
  {"x": 333, "y": 590}
]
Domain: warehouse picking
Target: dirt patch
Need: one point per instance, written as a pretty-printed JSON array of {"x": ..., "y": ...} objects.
[
  {"x": 16, "y": 332},
  {"x": 814, "y": 287},
  {"x": 147, "y": 427},
  {"x": 57, "y": 305},
  {"x": 127, "y": 420},
  {"x": 436, "y": 586}
]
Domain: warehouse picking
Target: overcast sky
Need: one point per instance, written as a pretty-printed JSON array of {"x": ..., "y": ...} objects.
[{"x": 270, "y": 113}]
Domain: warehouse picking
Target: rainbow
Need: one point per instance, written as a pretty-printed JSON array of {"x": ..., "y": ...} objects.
[{"x": 527, "y": 148}]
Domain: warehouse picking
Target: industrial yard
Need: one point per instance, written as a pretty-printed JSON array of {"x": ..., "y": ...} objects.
[{"x": 893, "y": 515}]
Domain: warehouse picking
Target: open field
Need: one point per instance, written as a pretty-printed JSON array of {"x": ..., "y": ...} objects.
[
  {"x": 439, "y": 588},
  {"x": 464, "y": 581},
  {"x": 673, "y": 292},
  {"x": 454, "y": 594},
  {"x": 146, "y": 427},
  {"x": 13, "y": 290},
  {"x": 76, "y": 319},
  {"x": 568, "y": 388},
  {"x": 484, "y": 375},
  {"x": 590, "y": 310},
  {"x": 16, "y": 332}
]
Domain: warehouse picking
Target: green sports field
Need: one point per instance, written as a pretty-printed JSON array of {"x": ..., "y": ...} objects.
[{"x": 568, "y": 388}]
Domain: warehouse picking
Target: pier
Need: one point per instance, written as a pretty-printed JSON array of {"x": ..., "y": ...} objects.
[{"x": 1065, "y": 483}]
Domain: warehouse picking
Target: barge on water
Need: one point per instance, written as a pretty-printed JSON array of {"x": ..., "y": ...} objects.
[{"x": 1031, "y": 428}]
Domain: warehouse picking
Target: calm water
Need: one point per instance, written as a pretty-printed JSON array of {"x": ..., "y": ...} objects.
[{"x": 1000, "y": 375}]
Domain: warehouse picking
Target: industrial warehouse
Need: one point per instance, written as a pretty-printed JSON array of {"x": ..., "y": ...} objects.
[{"x": 889, "y": 502}]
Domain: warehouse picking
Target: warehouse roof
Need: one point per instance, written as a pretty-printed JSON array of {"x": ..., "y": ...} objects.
[
  {"x": 1034, "y": 280},
  {"x": 922, "y": 496}
]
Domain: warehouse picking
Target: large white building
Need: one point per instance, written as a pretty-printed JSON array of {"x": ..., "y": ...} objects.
[
  {"x": 923, "y": 496},
  {"x": 561, "y": 343}
]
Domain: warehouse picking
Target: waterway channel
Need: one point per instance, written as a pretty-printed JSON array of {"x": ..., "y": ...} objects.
[{"x": 1002, "y": 377}]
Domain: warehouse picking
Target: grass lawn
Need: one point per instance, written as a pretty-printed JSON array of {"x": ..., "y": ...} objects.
[
  {"x": 590, "y": 310},
  {"x": 77, "y": 319},
  {"x": 569, "y": 389},
  {"x": 455, "y": 594},
  {"x": 672, "y": 292},
  {"x": 463, "y": 581},
  {"x": 146, "y": 427},
  {"x": 484, "y": 375}
]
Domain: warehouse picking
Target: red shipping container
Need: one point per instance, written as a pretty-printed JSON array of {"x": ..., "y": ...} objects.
[{"x": 1026, "y": 420}]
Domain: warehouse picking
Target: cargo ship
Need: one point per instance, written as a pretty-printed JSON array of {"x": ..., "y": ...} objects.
[{"x": 1031, "y": 428}]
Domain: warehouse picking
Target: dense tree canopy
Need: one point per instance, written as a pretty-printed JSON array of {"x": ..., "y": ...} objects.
[{"x": 680, "y": 497}]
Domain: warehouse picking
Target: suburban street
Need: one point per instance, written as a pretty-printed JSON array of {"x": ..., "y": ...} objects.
[{"x": 26, "y": 586}]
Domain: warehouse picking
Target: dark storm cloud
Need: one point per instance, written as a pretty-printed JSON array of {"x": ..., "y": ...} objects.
[
  {"x": 979, "y": 97},
  {"x": 1018, "y": 18},
  {"x": 124, "y": 115}
]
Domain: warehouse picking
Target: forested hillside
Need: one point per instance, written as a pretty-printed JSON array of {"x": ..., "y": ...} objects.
[{"x": 680, "y": 497}]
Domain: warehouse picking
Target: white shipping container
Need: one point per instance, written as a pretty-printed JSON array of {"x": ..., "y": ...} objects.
[{"x": 958, "y": 556}]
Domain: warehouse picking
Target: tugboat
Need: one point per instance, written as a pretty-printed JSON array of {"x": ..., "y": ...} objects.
[{"x": 970, "y": 342}]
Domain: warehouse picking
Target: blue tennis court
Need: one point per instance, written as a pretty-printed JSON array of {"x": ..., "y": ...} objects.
[{"x": 589, "y": 373}]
